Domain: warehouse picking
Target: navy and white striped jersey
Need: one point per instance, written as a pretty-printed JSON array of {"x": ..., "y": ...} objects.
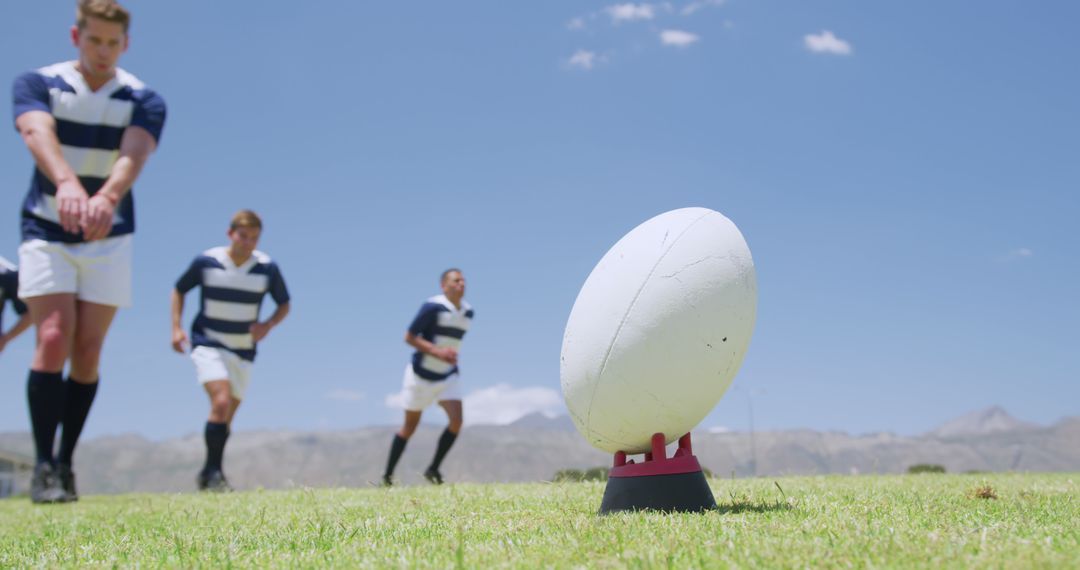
[
  {"x": 442, "y": 324},
  {"x": 231, "y": 297},
  {"x": 90, "y": 125},
  {"x": 9, "y": 289}
]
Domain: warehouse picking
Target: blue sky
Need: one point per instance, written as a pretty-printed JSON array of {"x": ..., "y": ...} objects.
[{"x": 905, "y": 174}]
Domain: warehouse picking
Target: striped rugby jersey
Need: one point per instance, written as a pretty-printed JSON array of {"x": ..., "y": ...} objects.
[
  {"x": 231, "y": 297},
  {"x": 90, "y": 125},
  {"x": 442, "y": 324},
  {"x": 9, "y": 289}
]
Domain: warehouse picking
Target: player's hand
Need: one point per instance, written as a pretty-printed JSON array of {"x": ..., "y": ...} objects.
[
  {"x": 260, "y": 330},
  {"x": 446, "y": 353},
  {"x": 179, "y": 341},
  {"x": 71, "y": 205},
  {"x": 99, "y": 217}
]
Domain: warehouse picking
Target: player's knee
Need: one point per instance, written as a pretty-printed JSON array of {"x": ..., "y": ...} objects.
[
  {"x": 87, "y": 348},
  {"x": 53, "y": 345},
  {"x": 455, "y": 425},
  {"x": 221, "y": 404},
  {"x": 219, "y": 409}
]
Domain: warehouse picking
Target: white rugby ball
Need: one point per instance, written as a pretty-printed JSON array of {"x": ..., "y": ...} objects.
[{"x": 659, "y": 330}]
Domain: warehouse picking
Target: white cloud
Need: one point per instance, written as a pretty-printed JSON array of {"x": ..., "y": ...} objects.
[
  {"x": 698, "y": 5},
  {"x": 1017, "y": 254},
  {"x": 678, "y": 38},
  {"x": 826, "y": 42},
  {"x": 502, "y": 404},
  {"x": 584, "y": 59},
  {"x": 719, "y": 429},
  {"x": 344, "y": 395},
  {"x": 576, "y": 24},
  {"x": 629, "y": 12}
]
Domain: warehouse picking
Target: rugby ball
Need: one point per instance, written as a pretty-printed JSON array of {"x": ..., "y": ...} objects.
[{"x": 659, "y": 330}]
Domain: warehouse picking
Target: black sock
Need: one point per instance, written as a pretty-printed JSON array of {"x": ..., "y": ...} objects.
[
  {"x": 45, "y": 393},
  {"x": 216, "y": 434},
  {"x": 445, "y": 441},
  {"x": 395, "y": 453},
  {"x": 78, "y": 398}
]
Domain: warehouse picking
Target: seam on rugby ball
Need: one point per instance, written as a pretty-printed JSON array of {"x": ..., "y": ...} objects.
[{"x": 629, "y": 309}]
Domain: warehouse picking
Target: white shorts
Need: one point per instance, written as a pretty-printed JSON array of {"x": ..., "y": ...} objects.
[
  {"x": 96, "y": 271},
  {"x": 212, "y": 363},
  {"x": 418, "y": 393}
]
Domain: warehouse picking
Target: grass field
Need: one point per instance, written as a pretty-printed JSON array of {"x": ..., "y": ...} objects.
[{"x": 937, "y": 521}]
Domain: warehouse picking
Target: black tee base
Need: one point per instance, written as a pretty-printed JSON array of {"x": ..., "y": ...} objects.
[{"x": 682, "y": 493}]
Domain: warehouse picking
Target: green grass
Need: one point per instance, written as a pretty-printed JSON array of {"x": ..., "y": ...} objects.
[{"x": 924, "y": 521}]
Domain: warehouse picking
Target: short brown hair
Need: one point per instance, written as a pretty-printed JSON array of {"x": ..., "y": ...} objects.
[
  {"x": 447, "y": 273},
  {"x": 108, "y": 10},
  {"x": 245, "y": 219}
]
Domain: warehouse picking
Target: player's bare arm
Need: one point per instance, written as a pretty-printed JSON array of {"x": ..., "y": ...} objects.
[
  {"x": 136, "y": 146},
  {"x": 445, "y": 353},
  {"x": 179, "y": 337},
  {"x": 260, "y": 330},
  {"x": 24, "y": 323},
  {"x": 38, "y": 130}
]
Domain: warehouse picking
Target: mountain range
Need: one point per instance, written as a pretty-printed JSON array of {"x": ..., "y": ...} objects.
[{"x": 535, "y": 447}]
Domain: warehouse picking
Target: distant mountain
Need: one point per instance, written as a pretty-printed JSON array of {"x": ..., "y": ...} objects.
[
  {"x": 537, "y": 420},
  {"x": 981, "y": 422},
  {"x": 535, "y": 447}
]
